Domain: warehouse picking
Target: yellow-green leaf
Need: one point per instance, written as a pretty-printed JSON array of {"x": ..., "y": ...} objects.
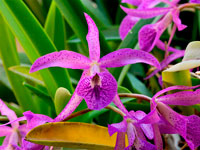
[
  {"x": 176, "y": 78},
  {"x": 23, "y": 71},
  {"x": 72, "y": 135}
]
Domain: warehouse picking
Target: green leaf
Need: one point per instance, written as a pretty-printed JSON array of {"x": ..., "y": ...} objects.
[
  {"x": 110, "y": 34},
  {"x": 55, "y": 27},
  {"x": 72, "y": 135},
  {"x": 37, "y": 9},
  {"x": 176, "y": 78},
  {"x": 96, "y": 13},
  {"x": 138, "y": 86},
  {"x": 37, "y": 91},
  {"x": 10, "y": 58},
  {"x": 73, "y": 13},
  {"x": 23, "y": 71},
  {"x": 122, "y": 89},
  {"x": 34, "y": 41}
]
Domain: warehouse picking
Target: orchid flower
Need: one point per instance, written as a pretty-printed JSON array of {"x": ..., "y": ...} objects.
[
  {"x": 34, "y": 120},
  {"x": 131, "y": 19},
  {"x": 12, "y": 134},
  {"x": 137, "y": 126},
  {"x": 16, "y": 133},
  {"x": 173, "y": 123},
  {"x": 97, "y": 86}
]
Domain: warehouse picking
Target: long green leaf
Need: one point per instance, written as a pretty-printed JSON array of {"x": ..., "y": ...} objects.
[
  {"x": 55, "y": 27},
  {"x": 10, "y": 58},
  {"x": 34, "y": 41},
  {"x": 23, "y": 71},
  {"x": 73, "y": 13}
]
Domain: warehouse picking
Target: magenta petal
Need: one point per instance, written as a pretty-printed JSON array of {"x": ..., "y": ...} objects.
[
  {"x": 185, "y": 98},
  {"x": 132, "y": 2},
  {"x": 64, "y": 59},
  {"x": 145, "y": 13},
  {"x": 166, "y": 62},
  {"x": 143, "y": 145},
  {"x": 34, "y": 120},
  {"x": 98, "y": 90},
  {"x": 117, "y": 127},
  {"x": 148, "y": 4},
  {"x": 176, "y": 120},
  {"x": 193, "y": 131},
  {"x": 177, "y": 20},
  {"x": 130, "y": 134},
  {"x": 93, "y": 39},
  {"x": 157, "y": 138},
  {"x": 148, "y": 36},
  {"x": 31, "y": 146},
  {"x": 9, "y": 113},
  {"x": 147, "y": 128},
  {"x": 5, "y": 131},
  {"x": 150, "y": 118},
  {"x": 176, "y": 87},
  {"x": 195, "y": 1},
  {"x": 126, "y": 25},
  {"x": 165, "y": 127},
  {"x": 127, "y": 56},
  {"x": 70, "y": 107},
  {"x": 120, "y": 142}
]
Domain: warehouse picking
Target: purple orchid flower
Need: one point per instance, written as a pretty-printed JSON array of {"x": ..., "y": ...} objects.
[
  {"x": 15, "y": 135},
  {"x": 12, "y": 134},
  {"x": 131, "y": 19},
  {"x": 137, "y": 126},
  {"x": 34, "y": 120},
  {"x": 97, "y": 86},
  {"x": 149, "y": 34},
  {"x": 173, "y": 123}
]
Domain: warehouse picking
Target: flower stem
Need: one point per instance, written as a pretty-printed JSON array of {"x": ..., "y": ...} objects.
[
  {"x": 115, "y": 109},
  {"x": 133, "y": 95}
]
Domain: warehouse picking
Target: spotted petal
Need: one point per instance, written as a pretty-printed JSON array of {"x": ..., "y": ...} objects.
[
  {"x": 117, "y": 127},
  {"x": 132, "y": 2},
  {"x": 148, "y": 36},
  {"x": 64, "y": 59},
  {"x": 93, "y": 39},
  {"x": 176, "y": 87},
  {"x": 193, "y": 131},
  {"x": 127, "y": 56},
  {"x": 98, "y": 90},
  {"x": 126, "y": 25},
  {"x": 185, "y": 98},
  {"x": 145, "y": 13},
  {"x": 147, "y": 128},
  {"x": 176, "y": 120},
  {"x": 34, "y": 120},
  {"x": 195, "y": 1}
]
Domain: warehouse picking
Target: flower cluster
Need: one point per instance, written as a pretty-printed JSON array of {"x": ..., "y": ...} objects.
[
  {"x": 149, "y": 35},
  {"x": 98, "y": 87}
]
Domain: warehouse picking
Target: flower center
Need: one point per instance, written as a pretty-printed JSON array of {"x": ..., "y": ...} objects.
[{"x": 94, "y": 68}]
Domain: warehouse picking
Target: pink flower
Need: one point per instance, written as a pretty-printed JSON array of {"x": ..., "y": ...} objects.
[{"x": 97, "y": 86}]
